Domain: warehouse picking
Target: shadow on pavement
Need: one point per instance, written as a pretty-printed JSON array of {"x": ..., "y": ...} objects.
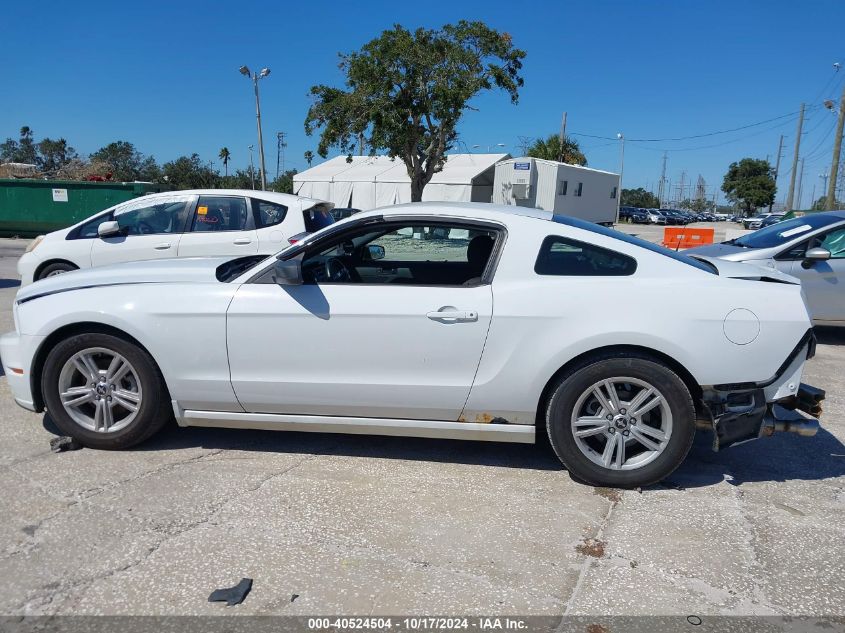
[
  {"x": 524, "y": 456},
  {"x": 782, "y": 457},
  {"x": 10, "y": 283},
  {"x": 828, "y": 335}
]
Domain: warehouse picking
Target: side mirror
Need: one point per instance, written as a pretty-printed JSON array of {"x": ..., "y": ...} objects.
[
  {"x": 288, "y": 272},
  {"x": 108, "y": 229},
  {"x": 817, "y": 254},
  {"x": 374, "y": 252}
]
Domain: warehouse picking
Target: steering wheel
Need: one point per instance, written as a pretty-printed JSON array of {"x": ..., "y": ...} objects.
[
  {"x": 336, "y": 270},
  {"x": 145, "y": 229}
]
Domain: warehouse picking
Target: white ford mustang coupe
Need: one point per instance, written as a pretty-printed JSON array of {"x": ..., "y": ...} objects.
[{"x": 436, "y": 320}]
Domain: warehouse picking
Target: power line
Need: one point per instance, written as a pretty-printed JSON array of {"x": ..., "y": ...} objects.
[{"x": 694, "y": 136}]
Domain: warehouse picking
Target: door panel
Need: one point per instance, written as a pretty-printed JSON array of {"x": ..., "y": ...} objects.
[
  {"x": 823, "y": 282},
  {"x": 357, "y": 349},
  {"x": 151, "y": 229},
  {"x": 221, "y": 225}
]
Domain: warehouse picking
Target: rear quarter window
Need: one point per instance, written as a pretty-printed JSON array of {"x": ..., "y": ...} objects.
[
  {"x": 316, "y": 218},
  {"x": 561, "y": 256}
]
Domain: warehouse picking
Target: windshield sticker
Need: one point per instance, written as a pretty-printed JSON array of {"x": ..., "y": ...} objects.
[
  {"x": 202, "y": 210},
  {"x": 796, "y": 230}
]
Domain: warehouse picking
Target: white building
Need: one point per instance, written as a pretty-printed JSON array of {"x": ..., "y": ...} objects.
[
  {"x": 579, "y": 192},
  {"x": 376, "y": 181}
]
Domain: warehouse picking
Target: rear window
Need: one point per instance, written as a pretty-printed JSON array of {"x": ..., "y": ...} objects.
[
  {"x": 567, "y": 257},
  {"x": 316, "y": 218},
  {"x": 635, "y": 241}
]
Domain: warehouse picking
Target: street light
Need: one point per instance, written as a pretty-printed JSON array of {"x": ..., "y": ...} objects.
[
  {"x": 244, "y": 70},
  {"x": 489, "y": 147},
  {"x": 621, "y": 138}
]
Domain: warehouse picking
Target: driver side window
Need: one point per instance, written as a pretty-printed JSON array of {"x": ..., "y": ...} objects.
[
  {"x": 424, "y": 253},
  {"x": 153, "y": 217}
]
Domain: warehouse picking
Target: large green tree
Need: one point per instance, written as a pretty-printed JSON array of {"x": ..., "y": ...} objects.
[
  {"x": 640, "y": 198},
  {"x": 406, "y": 92},
  {"x": 189, "y": 172},
  {"x": 750, "y": 183},
  {"x": 23, "y": 150},
  {"x": 284, "y": 183},
  {"x": 53, "y": 155},
  {"x": 550, "y": 149},
  {"x": 127, "y": 163}
]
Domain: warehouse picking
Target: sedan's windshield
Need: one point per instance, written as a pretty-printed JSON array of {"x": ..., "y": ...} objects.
[{"x": 786, "y": 231}]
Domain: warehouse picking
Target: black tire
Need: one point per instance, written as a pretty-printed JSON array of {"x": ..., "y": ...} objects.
[
  {"x": 571, "y": 386},
  {"x": 154, "y": 410},
  {"x": 55, "y": 269}
]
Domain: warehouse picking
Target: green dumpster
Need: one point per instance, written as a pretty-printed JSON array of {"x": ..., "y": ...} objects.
[{"x": 29, "y": 207}]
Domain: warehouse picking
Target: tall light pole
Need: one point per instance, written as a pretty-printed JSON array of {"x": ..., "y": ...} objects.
[
  {"x": 621, "y": 138},
  {"x": 489, "y": 147},
  {"x": 251, "y": 168},
  {"x": 255, "y": 77}
]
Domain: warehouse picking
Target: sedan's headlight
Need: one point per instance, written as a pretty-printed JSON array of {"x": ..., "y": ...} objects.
[{"x": 34, "y": 243}]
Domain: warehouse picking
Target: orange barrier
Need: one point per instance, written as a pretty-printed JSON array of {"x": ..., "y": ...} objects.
[{"x": 683, "y": 237}]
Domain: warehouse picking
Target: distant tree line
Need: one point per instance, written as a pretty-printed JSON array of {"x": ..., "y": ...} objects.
[{"x": 120, "y": 161}]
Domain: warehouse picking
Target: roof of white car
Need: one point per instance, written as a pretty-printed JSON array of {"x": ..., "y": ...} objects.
[
  {"x": 463, "y": 209},
  {"x": 282, "y": 198}
]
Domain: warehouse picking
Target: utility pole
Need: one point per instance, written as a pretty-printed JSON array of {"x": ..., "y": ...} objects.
[
  {"x": 281, "y": 144},
  {"x": 791, "y": 195},
  {"x": 777, "y": 167},
  {"x": 801, "y": 183},
  {"x": 661, "y": 187},
  {"x": 563, "y": 137},
  {"x": 837, "y": 150},
  {"x": 682, "y": 186},
  {"x": 621, "y": 138}
]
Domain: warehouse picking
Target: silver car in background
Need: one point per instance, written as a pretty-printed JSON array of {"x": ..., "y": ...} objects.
[{"x": 811, "y": 248}]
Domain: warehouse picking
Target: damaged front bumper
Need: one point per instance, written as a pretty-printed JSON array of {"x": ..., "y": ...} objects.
[{"x": 745, "y": 411}]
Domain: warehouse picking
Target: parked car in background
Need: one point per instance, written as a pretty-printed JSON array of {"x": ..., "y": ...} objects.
[
  {"x": 673, "y": 216},
  {"x": 639, "y": 216},
  {"x": 491, "y": 347},
  {"x": 177, "y": 224},
  {"x": 341, "y": 213},
  {"x": 655, "y": 216},
  {"x": 755, "y": 221},
  {"x": 774, "y": 218},
  {"x": 811, "y": 248}
]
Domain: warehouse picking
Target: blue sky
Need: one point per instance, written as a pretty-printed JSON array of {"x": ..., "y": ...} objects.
[{"x": 163, "y": 75}]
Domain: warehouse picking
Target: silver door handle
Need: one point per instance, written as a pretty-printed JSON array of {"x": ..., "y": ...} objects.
[
  {"x": 242, "y": 240},
  {"x": 163, "y": 246},
  {"x": 452, "y": 315}
]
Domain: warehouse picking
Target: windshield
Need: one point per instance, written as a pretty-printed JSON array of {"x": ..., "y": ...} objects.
[
  {"x": 635, "y": 241},
  {"x": 786, "y": 231}
]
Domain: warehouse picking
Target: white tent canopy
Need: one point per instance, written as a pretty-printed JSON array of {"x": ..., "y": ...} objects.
[{"x": 376, "y": 181}]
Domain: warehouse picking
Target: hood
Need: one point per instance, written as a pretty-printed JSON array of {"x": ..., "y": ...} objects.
[
  {"x": 725, "y": 250},
  {"x": 756, "y": 271},
  {"x": 186, "y": 269}
]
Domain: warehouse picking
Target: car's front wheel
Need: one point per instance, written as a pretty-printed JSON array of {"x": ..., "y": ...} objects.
[
  {"x": 621, "y": 421},
  {"x": 104, "y": 391}
]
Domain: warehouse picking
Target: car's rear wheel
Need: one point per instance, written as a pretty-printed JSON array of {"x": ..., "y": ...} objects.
[
  {"x": 104, "y": 391},
  {"x": 621, "y": 421},
  {"x": 57, "y": 268}
]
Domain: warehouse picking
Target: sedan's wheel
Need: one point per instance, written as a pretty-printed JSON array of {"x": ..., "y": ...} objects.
[
  {"x": 104, "y": 391},
  {"x": 621, "y": 422},
  {"x": 52, "y": 270}
]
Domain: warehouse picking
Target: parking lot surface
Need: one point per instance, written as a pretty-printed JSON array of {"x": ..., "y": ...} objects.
[{"x": 371, "y": 525}]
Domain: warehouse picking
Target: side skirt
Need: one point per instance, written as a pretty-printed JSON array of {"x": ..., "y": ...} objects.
[{"x": 520, "y": 433}]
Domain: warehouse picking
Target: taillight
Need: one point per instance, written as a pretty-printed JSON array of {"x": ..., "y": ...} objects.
[{"x": 293, "y": 240}]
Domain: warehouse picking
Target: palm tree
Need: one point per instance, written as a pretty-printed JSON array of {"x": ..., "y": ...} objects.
[
  {"x": 309, "y": 156},
  {"x": 550, "y": 150},
  {"x": 224, "y": 156}
]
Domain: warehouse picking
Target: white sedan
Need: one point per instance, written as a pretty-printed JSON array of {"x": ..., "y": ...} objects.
[
  {"x": 435, "y": 320},
  {"x": 203, "y": 222}
]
